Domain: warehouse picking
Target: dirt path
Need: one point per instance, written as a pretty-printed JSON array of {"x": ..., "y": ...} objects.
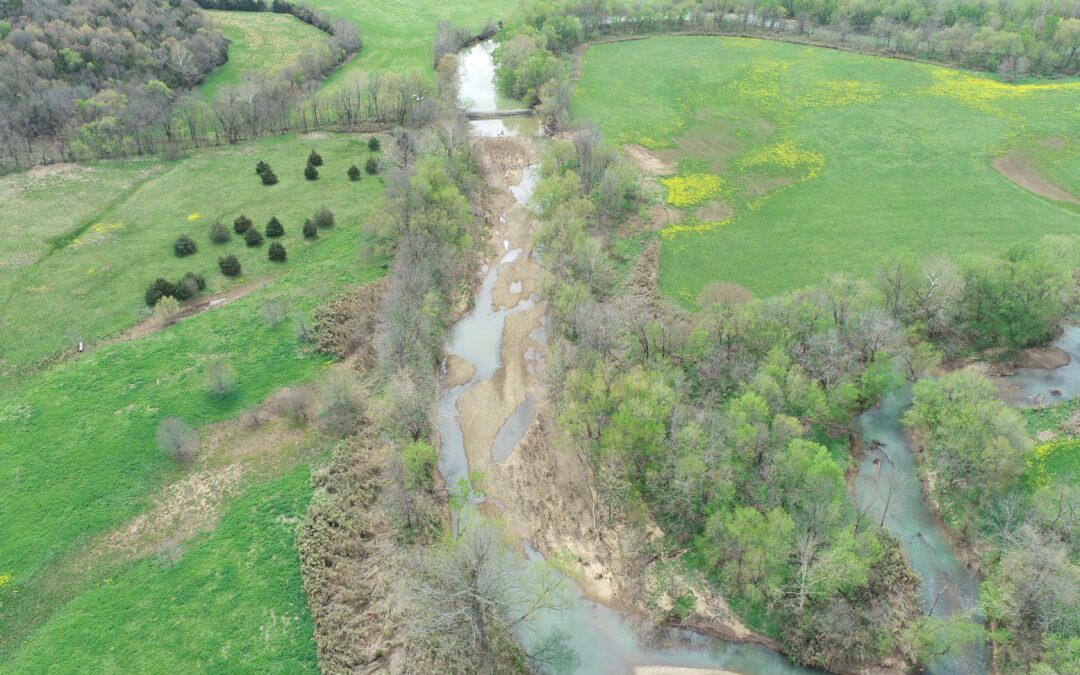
[
  {"x": 151, "y": 325},
  {"x": 1020, "y": 171}
]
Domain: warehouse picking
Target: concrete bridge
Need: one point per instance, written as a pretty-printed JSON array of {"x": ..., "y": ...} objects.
[{"x": 499, "y": 114}]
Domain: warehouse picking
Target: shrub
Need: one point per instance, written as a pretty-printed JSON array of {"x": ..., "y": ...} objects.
[
  {"x": 184, "y": 246},
  {"x": 269, "y": 178},
  {"x": 341, "y": 405},
  {"x": 373, "y": 144},
  {"x": 274, "y": 228},
  {"x": 159, "y": 289},
  {"x": 166, "y": 311},
  {"x": 310, "y": 231},
  {"x": 314, "y": 159},
  {"x": 219, "y": 234},
  {"x": 372, "y": 165},
  {"x": 220, "y": 380},
  {"x": 310, "y": 172},
  {"x": 354, "y": 173},
  {"x": 324, "y": 218},
  {"x": 242, "y": 224},
  {"x": 274, "y": 312},
  {"x": 276, "y": 252},
  {"x": 177, "y": 438},
  {"x": 229, "y": 266},
  {"x": 253, "y": 237},
  {"x": 189, "y": 286}
]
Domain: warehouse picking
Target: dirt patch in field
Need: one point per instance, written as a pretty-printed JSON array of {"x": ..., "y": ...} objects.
[
  {"x": 182, "y": 510},
  {"x": 662, "y": 216},
  {"x": 647, "y": 162},
  {"x": 50, "y": 169},
  {"x": 757, "y": 187},
  {"x": 1055, "y": 143},
  {"x": 714, "y": 211},
  {"x": 1019, "y": 171}
]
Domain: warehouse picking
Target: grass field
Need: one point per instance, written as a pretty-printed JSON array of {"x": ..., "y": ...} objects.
[
  {"x": 788, "y": 163},
  {"x": 397, "y": 35},
  {"x": 100, "y": 255},
  {"x": 258, "y": 41},
  {"x": 77, "y": 450},
  {"x": 233, "y": 603}
]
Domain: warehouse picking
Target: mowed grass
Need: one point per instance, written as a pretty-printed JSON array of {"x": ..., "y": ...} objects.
[
  {"x": 794, "y": 163},
  {"x": 83, "y": 272},
  {"x": 77, "y": 449},
  {"x": 264, "y": 42},
  {"x": 233, "y": 603},
  {"x": 397, "y": 35}
]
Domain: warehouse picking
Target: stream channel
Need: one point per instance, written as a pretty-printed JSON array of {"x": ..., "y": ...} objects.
[{"x": 606, "y": 639}]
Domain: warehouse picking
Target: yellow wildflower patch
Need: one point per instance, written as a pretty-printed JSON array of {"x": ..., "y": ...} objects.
[
  {"x": 193, "y": 217},
  {"x": 981, "y": 92},
  {"x": 1044, "y": 453},
  {"x": 692, "y": 228},
  {"x": 785, "y": 154},
  {"x": 5, "y": 580},
  {"x": 693, "y": 188}
]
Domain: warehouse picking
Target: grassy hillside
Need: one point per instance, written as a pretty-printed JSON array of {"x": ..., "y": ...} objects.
[
  {"x": 233, "y": 603},
  {"x": 260, "y": 41},
  {"x": 77, "y": 447},
  {"x": 397, "y": 35},
  {"x": 789, "y": 163},
  {"x": 83, "y": 275}
]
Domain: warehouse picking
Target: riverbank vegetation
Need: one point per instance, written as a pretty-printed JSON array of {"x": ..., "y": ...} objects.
[
  {"x": 741, "y": 410},
  {"x": 1014, "y": 504}
]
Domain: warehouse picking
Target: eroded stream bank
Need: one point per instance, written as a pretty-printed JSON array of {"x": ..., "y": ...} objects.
[{"x": 490, "y": 423}]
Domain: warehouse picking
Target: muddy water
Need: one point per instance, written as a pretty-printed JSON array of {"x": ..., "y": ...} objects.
[
  {"x": 477, "y": 92},
  {"x": 1032, "y": 385},
  {"x": 888, "y": 476},
  {"x": 606, "y": 640}
]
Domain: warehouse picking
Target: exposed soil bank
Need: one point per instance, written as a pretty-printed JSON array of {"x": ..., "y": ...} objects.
[{"x": 1020, "y": 171}]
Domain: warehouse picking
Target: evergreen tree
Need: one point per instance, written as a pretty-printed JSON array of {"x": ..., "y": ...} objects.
[
  {"x": 310, "y": 231},
  {"x": 372, "y": 165},
  {"x": 373, "y": 144},
  {"x": 253, "y": 238},
  {"x": 159, "y": 289},
  {"x": 261, "y": 168},
  {"x": 274, "y": 228},
  {"x": 219, "y": 234},
  {"x": 310, "y": 172},
  {"x": 269, "y": 178},
  {"x": 242, "y": 224},
  {"x": 314, "y": 159},
  {"x": 354, "y": 173},
  {"x": 229, "y": 265},
  {"x": 276, "y": 252},
  {"x": 184, "y": 246}
]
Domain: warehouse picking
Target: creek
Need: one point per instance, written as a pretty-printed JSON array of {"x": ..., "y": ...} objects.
[{"x": 888, "y": 482}]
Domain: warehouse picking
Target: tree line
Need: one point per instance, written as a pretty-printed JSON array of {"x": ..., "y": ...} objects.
[
  {"x": 1014, "y": 38},
  {"x": 729, "y": 426},
  {"x": 84, "y": 81}
]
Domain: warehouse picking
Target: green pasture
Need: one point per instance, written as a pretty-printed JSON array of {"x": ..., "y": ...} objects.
[
  {"x": 788, "y": 163},
  {"x": 77, "y": 449},
  {"x": 264, "y": 42},
  {"x": 82, "y": 274},
  {"x": 397, "y": 35}
]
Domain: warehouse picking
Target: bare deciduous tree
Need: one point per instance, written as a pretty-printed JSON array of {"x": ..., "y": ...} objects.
[{"x": 176, "y": 437}]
